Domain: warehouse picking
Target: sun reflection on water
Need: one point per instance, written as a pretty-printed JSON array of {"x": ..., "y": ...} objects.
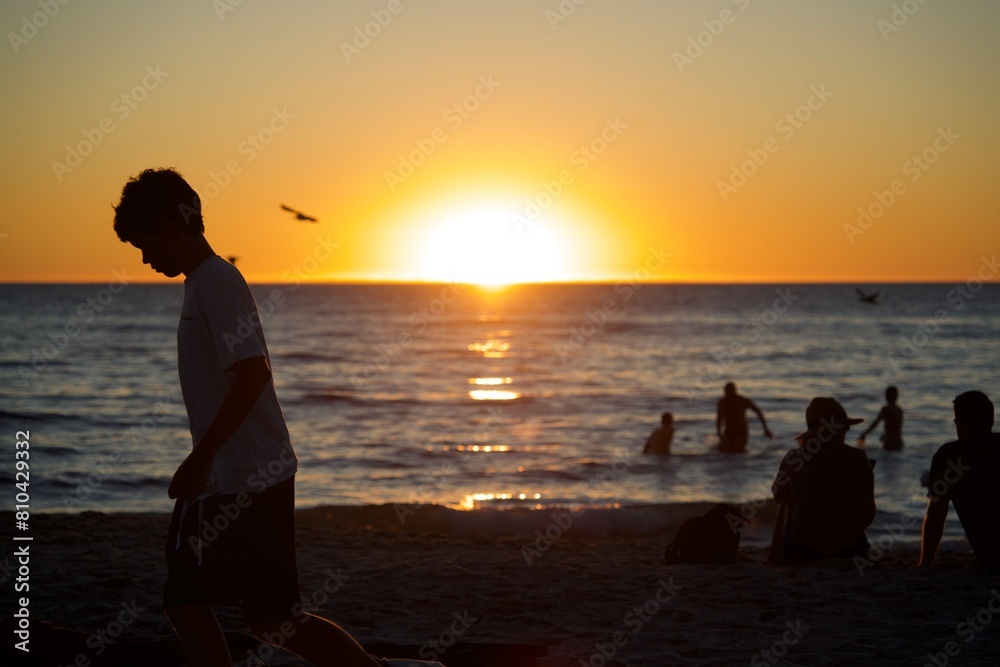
[
  {"x": 483, "y": 448},
  {"x": 494, "y": 395},
  {"x": 491, "y": 349},
  {"x": 489, "y": 381},
  {"x": 473, "y": 501}
]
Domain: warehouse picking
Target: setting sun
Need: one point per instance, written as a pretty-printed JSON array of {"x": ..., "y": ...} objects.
[{"x": 484, "y": 247}]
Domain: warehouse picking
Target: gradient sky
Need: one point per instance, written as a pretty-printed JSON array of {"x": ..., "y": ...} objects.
[{"x": 833, "y": 98}]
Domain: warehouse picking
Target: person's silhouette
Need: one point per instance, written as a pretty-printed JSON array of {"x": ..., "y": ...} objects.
[
  {"x": 825, "y": 490},
  {"x": 965, "y": 472},
  {"x": 892, "y": 415},
  {"x": 731, "y": 420},
  {"x": 659, "y": 440},
  {"x": 242, "y": 464}
]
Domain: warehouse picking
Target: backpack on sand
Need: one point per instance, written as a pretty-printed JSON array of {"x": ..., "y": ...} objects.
[{"x": 712, "y": 539}]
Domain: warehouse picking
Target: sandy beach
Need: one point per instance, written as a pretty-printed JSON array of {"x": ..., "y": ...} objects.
[{"x": 588, "y": 602}]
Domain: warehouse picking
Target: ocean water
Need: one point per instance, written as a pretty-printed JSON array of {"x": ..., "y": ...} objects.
[{"x": 471, "y": 407}]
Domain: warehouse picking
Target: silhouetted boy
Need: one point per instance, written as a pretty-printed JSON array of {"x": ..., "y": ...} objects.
[
  {"x": 892, "y": 415},
  {"x": 238, "y": 432}
]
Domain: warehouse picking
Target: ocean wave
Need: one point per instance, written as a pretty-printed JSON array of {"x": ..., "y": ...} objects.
[
  {"x": 533, "y": 524},
  {"x": 56, "y": 450},
  {"x": 573, "y": 522},
  {"x": 41, "y": 416},
  {"x": 311, "y": 356},
  {"x": 438, "y": 400},
  {"x": 72, "y": 479}
]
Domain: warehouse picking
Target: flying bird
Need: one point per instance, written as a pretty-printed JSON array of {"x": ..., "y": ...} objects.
[
  {"x": 232, "y": 259},
  {"x": 299, "y": 215},
  {"x": 867, "y": 298}
]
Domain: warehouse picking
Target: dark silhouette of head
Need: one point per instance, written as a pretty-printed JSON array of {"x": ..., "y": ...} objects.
[
  {"x": 891, "y": 395},
  {"x": 153, "y": 196},
  {"x": 826, "y": 421},
  {"x": 160, "y": 214},
  {"x": 667, "y": 418},
  {"x": 730, "y": 389},
  {"x": 973, "y": 413}
]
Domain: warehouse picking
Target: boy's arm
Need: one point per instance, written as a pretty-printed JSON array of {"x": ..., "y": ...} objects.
[
  {"x": 861, "y": 438},
  {"x": 250, "y": 376},
  {"x": 932, "y": 530},
  {"x": 774, "y": 555},
  {"x": 779, "y": 488}
]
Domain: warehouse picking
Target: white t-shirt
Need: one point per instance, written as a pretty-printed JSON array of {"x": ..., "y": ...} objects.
[{"x": 219, "y": 326}]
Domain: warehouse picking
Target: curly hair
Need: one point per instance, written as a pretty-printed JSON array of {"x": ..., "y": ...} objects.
[{"x": 156, "y": 194}]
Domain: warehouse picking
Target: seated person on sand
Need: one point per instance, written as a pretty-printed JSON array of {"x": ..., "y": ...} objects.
[
  {"x": 660, "y": 439},
  {"x": 731, "y": 413},
  {"x": 892, "y": 415},
  {"x": 966, "y": 472},
  {"x": 825, "y": 490}
]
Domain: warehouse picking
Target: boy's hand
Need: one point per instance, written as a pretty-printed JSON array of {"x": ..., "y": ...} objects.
[{"x": 191, "y": 477}]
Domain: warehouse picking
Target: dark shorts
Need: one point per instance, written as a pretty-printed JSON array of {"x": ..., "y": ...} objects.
[{"x": 235, "y": 551}]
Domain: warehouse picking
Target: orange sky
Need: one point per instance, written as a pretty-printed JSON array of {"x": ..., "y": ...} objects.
[{"x": 732, "y": 140}]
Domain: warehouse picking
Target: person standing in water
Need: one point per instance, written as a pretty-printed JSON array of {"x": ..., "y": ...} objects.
[
  {"x": 659, "y": 440},
  {"x": 892, "y": 415},
  {"x": 731, "y": 420}
]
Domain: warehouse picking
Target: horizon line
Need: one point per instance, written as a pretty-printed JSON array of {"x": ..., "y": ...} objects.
[{"x": 601, "y": 281}]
